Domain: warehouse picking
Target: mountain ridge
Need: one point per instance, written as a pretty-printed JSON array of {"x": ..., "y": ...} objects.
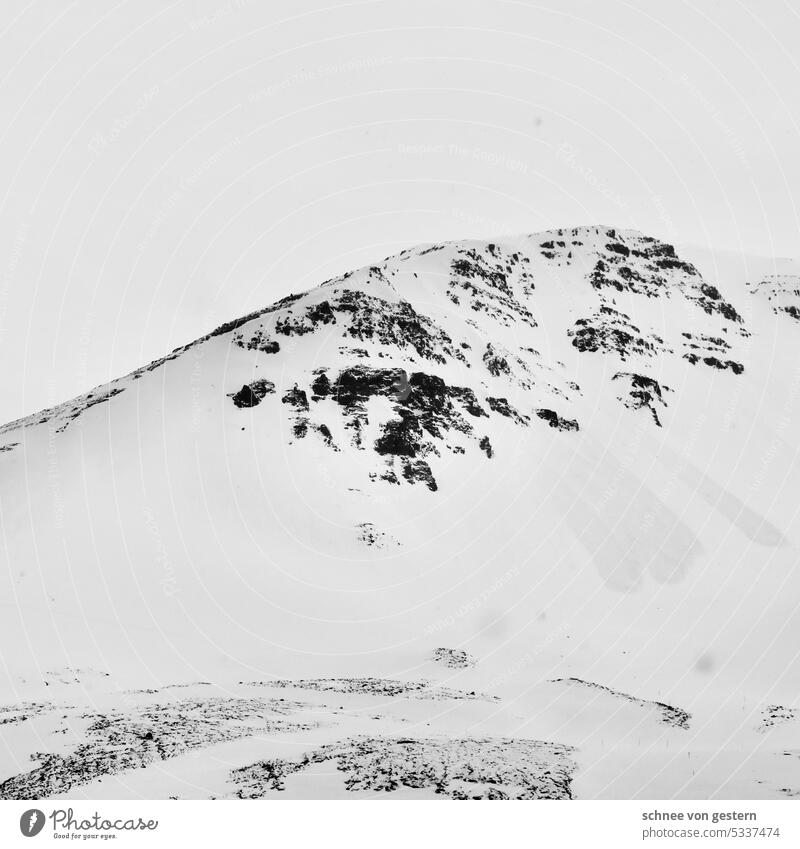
[{"x": 562, "y": 462}]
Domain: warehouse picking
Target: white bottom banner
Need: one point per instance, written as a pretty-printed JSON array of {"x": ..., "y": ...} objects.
[{"x": 400, "y": 824}]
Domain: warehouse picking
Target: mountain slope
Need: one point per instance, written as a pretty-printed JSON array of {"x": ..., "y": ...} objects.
[{"x": 565, "y": 456}]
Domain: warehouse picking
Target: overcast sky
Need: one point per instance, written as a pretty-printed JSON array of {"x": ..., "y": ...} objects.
[{"x": 166, "y": 166}]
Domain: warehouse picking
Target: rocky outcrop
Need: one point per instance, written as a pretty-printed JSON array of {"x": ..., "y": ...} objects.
[
  {"x": 468, "y": 768},
  {"x": 610, "y": 331},
  {"x": 252, "y": 394},
  {"x": 641, "y": 392},
  {"x": 118, "y": 742},
  {"x": 558, "y": 422},
  {"x": 666, "y": 714}
]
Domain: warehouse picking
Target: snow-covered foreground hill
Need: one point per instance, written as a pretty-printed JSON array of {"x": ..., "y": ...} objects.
[{"x": 484, "y": 519}]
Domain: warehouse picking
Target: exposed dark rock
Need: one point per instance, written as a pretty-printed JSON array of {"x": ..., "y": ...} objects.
[
  {"x": 418, "y": 471},
  {"x": 296, "y": 398},
  {"x": 469, "y": 768},
  {"x": 494, "y": 362},
  {"x": 426, "y": 408},
  {"x": 715, "y": 362},
  {"x": 487, "y": 285},
  {"x": 395, "y": 324},
  {"x": 390, "y": 687},
  {"x": 325, "y": 433},
  {"x": 239, "y": 322},
  {"x": 486, "y": 447},
  {"x": 252, "y": 394},
  {"x": 501, "y": 406},
  {"x": 556, "y": 421},
  {"x": 467, "y": 398},
  {"x": 400, "y": 437},
  {"x": 711, "y": 344},
  {"x": 773, "y": 715},
  {"x": 711, "y": 301},
  {"x": 642, "y": 391},
  {"x": 611, "y": 331},
  {"x": 618, "y": 247},
  {"x": 258, "y": 341}
]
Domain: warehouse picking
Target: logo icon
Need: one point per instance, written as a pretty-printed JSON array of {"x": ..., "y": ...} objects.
[{"x": 31, "y": 822}]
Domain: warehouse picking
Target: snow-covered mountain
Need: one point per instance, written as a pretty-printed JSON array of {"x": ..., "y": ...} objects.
[{"x": 482, "y": 519}]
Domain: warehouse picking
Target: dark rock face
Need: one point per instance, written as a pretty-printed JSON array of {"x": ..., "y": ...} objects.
[
  {"x": 483, "y": 281},
  {"x": 494, "y": 362},
  {"x": 783, "y": 293},
  {"x": 354, "y": 386},
  {"x": 324, "y": 431},
  {"x": 611, "y": 331},
  {"x": 296, "y": 398},
  {"x": 486, "y": 447},
  {"x": 458, "y": 769},
  {"x": 501, "y": 406},
  {"x": 705, "y": 343},
  {"x": 426, "y": 409},
  {"x": 560, "y": 250},
  {"x": 711, "y": 301},
  {"x": 554, "y": 420},
  {"x": 418, "y": 471},
  {"x": 258, "y": 341},
  {"x": 252, "y": 394},
  {"x": 715, "y": 362},
  {"x": 641, "y": 391},
  {"x": 639, "y": 267},
  {"x": 245, "y": 319},
  {"x": 372, "y": 319}
]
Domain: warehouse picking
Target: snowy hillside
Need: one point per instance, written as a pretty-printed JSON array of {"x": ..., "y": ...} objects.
[{"x": 483, "y": 519}]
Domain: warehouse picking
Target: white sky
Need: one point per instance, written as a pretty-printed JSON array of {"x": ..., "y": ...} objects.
[{"x": 166, "y": 166}]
